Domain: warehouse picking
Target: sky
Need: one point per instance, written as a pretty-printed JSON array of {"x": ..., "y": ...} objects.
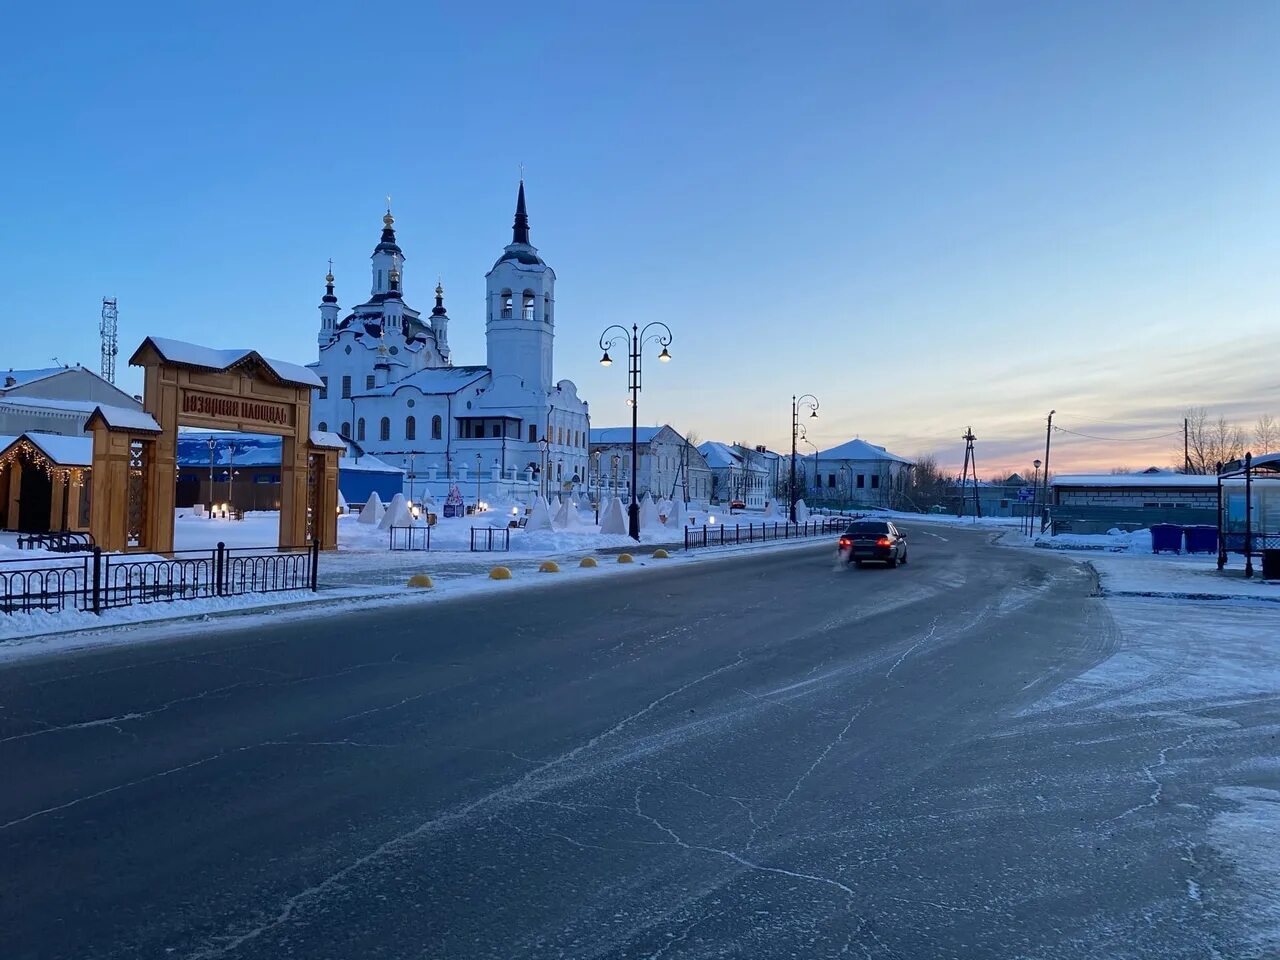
[{"x": 932, "y": 216}]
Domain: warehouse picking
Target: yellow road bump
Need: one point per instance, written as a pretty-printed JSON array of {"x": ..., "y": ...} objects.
[
  {"x": 661, "y": 554},
  {"x": 588, "y": 562},
  {"x": 549, "y": 566},
  {"x": 420, "y": 580},
  {"x": 500, "y": 573},
  {"x": 626, "y": 558}
]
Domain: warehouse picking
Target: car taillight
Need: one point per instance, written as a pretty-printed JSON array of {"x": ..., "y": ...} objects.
[
  {"x": 882, "y": 542},
  {"x": 845, "y": 542}
]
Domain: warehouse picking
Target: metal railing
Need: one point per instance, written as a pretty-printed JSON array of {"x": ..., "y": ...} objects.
[
  {"x": 490, "y": 539},
  {"x": 101, "y": 581},
  {"x": 410, "y": 538},
  {"x": 62, "y": 542},
  {"x": 727, "y": 535}
]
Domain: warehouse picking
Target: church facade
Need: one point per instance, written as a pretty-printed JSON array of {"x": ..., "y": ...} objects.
[{"x": 392, "y": 387}]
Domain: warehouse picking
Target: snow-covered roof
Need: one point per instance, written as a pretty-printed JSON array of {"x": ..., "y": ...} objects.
[
  {"x": 1145, "y": 481},
  {"x": 327, "y": 439},
  {"x": 721, "y": 456},
  {"x": 22, "y": 377},
  {"x": 859, "y": 450},
  {"x": 366, "y": 463},
  {"x": 208, "y": 358},
  {"x": 64, "y": 451},
  {"x": 53, "y": 406},
  {"x": 434, "y": 380},
  {"x": 608, "y": 435},
  {"x": 122, "y": 418}
]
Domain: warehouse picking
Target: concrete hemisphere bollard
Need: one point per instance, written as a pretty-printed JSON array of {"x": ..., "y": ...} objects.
[
  {"x": 661, "y": 554},
  {"x": 548, "y": 566},
  {"x": 421, "y": 580},
  {"x": 588, "y": 562},
  {"x": 626, "y": 558},
  {"x": 500, "y": 573}
]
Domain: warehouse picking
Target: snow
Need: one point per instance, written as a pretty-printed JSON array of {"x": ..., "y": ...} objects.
[
  {"x": 44, "y": 403},
  {"x": 23, "y": 377},
  {"x": 1247, "y": 835},
  {"x": 210, "y": 358},
  {"x": 613, "y": 521},
  {"x": 373, "y": 510},
  {"x": 122, "y": 418},
  {"x": 648, "y": 513},
  {"x": 859, "y": 450},
  {"x": 64, "y": 451},
  {"x": 327, "y": 439},
  {"x": 620, "y": 435},
  {"x": 677, "y": 516},
  {"x": 433, "y": 381},
  {"x": 802, "y": 511},
  {"x": 397, "y": 514},
  {"x": 540, "y": 518}
]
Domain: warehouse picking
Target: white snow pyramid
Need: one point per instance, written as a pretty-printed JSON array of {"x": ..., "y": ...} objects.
[
  {"x": 373, "y": 510},
  {"x": 677, "y": 516},
  {"x": 397, "y": 513},
  {"x": 614, "y": 518},
  {"x": 540, "y": 518},
  {"x": 648, "y": 513},
  {"x": 567, "y": 516},
  {"x": 802, "y": 511}
]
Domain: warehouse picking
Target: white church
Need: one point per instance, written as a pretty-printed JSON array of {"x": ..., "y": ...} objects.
[{"x": 391, "y": 386}]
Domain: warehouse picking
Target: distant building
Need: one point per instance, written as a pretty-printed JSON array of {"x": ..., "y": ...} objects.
[
  {"x": 857, "y": 473},
  {"x": 1094, "y": 503},
  {"x": 669, "y": 467},
  {"x": 390, "y": 383},
  {"x": 739, "y": 473},
  {"x": 55, "y": 400}
]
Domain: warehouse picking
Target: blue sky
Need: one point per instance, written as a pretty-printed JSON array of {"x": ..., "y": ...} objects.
[{"x": 932, "y": 215}]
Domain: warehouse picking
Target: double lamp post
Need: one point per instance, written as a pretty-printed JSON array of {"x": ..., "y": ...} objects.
[
  {"x": 635, "y": 339},
  {"x": 807, "y": 402}
]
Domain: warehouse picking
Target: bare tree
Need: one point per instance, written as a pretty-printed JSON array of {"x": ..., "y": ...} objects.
[
  {"x": 1119, "y": 470},
  {"x": 1266, "y": 435},
  {"x": 928, "y": 485},
  {"x": 1210, "y": 442}
]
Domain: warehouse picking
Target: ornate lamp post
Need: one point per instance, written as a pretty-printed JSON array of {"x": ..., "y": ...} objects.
[
  {"x": 213, "y": 445},
  {"x": 807, "y": 402},
  {"x": 635, "y": 340},
  {"x": 231, "y": 469},
  {"x": 544, "y": 444},
  {"x": 596, "y": 457},
  {"x": 477, "y": 483}
]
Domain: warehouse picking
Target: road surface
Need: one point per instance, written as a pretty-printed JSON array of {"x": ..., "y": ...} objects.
[{"x": 764, "y": 756}]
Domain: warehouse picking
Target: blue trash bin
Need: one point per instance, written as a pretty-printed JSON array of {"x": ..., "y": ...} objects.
[
  {"x": 1166, "y": 536},
  {"x": 1202, "y": 539}
]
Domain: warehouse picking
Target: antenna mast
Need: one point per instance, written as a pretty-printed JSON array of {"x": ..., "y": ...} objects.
[{"x": 107, "y": 333}]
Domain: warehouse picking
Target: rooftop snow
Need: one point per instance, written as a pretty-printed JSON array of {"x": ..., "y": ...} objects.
[
  {"x": 23, "y": 377},
  {"x": 608, "y": 435},
  {"x": 209, "y": 358},
  {"x": 1144, "y": 481},
  {"x": 434, "y": 381},
  {"x": 859, "y": 450},
  {"x": 122, "y": 418},
  {"x": 40, "y": 403},
  {"x": 327, "y": 438},
  {"x": 64, "y": 451}
]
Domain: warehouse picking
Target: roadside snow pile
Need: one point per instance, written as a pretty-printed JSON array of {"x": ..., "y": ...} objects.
[{"x": 1113, "y": 541}]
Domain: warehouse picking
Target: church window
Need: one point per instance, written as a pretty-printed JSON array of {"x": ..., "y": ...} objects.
[
  {"x": 360, "y": 429},
  {"x": 496, "y": 430},
  {"x": 533, "y": 433},
  {"x": 346, "y": 388},
  {"x": 409, "y": 402},
  {"x": 394, "y": 350},
  {"x": 324, "y": 388},
  {"x": 862, "y": 481},
  {"x": 384, "y": 429},
  {"x": 546, "y": 308},
  {"x": 875, "y": 481},
  {"x": 526, "y": 308},
  {"x": 831, "y": 479},
  {"x": 346, "y": 429},
  {"x": 368, "y": 381},
  {"x": 435, "y": 428},
  {"x": 560, "y": 435},
  {"x": 379, "y": 279},
  {"x": 324, "y": 427},
  {"x": 410, "y": 428},
  {"x": 506, "y": 304}
]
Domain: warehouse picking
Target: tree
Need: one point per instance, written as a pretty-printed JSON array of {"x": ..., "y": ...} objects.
[
  {"x": 928, "y": 485},
  {"x": 1210, "y": 442},
  {"x": 1266, "y": 435}
]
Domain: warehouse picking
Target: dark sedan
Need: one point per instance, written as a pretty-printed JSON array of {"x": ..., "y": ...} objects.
[{"x": 878, "y": 541}]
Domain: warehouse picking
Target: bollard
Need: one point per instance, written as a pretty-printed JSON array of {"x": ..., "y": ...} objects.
[
  {"x": 549, "y": 566},
  {"x": 661, "y": 554},
  {"x": 626, "y": 558},
  {"x": 420, "y": 580},
  {"x": 500, "y": 573},
  {"x": 588, "y": 562}
]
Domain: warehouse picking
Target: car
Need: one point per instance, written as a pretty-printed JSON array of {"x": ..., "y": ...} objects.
[
  {"x": 737, "y": 505},
  {"x": 873, "y": 540}
]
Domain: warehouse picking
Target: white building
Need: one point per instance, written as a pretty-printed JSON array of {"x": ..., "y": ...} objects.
[
  {"x": 740, "y": 473},
  {"x": 669, "y": 467},
  {"x": 55, "y": 400},
  {"x": 856, "y": 472},
  {"x": 390, "y": 383}
]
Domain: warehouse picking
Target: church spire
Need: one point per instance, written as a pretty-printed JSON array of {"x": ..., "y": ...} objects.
[
  {"x": 328, "y": 286},
  {"x": 438, "y": 310},
  {"x": 520, "y": 229},
  {"x": 388, "y": 241}
]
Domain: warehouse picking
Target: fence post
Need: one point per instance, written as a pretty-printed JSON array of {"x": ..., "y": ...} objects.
[
  {"x": 219, "y": 568},
  {"x": 315, "y": 563},
  {"x": 97, "y": 579}
]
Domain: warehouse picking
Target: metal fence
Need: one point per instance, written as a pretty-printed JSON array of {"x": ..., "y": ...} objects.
[
  {"x": 100, "y": 581},
  {"x": 410, "y": 538},
  {"x": 490, "y": 539},
  {"x": 724, "y": 534}
]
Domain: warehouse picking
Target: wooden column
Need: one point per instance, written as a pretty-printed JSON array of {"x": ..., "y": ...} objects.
[
  {"x": 160, "y": 399},
  {"x": 15, "y": 488},
  {"x": 109, "y": 503},
  {"x": 58, "y": 520},
  {"x": 293, "y": 492},
  {"x": 326, "y": 521}
]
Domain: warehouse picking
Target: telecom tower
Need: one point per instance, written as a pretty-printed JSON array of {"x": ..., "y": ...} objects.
[{"x": 107, "y": 332}]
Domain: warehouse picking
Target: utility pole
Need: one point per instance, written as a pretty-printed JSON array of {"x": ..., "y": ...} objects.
[
  {"x": 107, "y": 334},
  {"x": 1048, "y": 432},
  {"x": 1186, "y": 448},
  {"x": 970, "y": 466}
]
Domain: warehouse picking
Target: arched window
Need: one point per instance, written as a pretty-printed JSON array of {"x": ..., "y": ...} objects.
[
  {"x": 323, "y": 427},
  {"x": 360, "y": 429},
  {"x": 346, "y": 429},
  {"x": 526, "y": 309},
  {"x": 506, "y": 304},
  {"x": 435, "y": 428},
  {"x": 546, "y": 308},
  {"x": 410, "y": 428},
  {"x": 384, "y": 429}
]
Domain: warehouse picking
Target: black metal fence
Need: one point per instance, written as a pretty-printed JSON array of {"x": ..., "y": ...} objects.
[
  {"x": 490, "y": 539},
  {"x": 410, "y": 538},
  {"x": 100, "y": 581},
  {"x": 727, "y": 535},
  {"x": 62, "y": 542}
]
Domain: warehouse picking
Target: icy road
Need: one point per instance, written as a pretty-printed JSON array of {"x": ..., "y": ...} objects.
[{"x": 756, "y": 757}]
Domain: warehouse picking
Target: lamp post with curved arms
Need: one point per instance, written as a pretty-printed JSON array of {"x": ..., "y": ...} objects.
[
  {"x": 807, "y": 402},
  {"x": 654, "y": 332}
]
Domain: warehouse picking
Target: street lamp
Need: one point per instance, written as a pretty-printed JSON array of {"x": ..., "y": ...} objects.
[
  {"x": 615, "y": 458},
  {"x": 1031, "y": 517},
  {"x": 544, "y": 444},
  {"x": 213, "y": 443},
  {"x": 477, "y": 510},
  {"x": 635, "y": 340},
  {"x": 231, "y": 468},
  {"x": 807, "y": 402},
  {"x": 596, "y": 457}
]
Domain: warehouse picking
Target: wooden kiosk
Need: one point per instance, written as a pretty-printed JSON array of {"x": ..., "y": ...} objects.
[{"x": 135, "y": 454}]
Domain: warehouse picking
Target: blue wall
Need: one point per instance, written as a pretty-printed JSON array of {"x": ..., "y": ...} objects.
[{"x": 358, "y": 485}]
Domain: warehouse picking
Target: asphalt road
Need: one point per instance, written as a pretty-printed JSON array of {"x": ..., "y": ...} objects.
[{"x": 759, "y": 757}]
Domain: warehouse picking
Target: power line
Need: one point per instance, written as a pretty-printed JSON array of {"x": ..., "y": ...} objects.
[{"x": 1088, "y": 436}]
